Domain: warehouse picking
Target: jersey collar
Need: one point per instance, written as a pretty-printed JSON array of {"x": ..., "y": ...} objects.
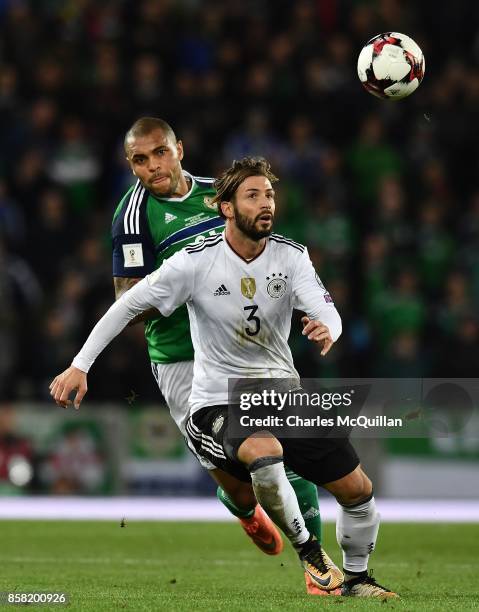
[
  {"x": 230, "y": 250},
  {"x": 183, "y": 198}
]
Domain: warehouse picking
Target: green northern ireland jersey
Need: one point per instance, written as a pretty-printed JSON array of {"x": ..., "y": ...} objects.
[{"x": 148, "y": 229}]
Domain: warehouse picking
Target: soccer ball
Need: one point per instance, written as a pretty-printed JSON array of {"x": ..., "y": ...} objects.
[{"x": 391, "y": 66}]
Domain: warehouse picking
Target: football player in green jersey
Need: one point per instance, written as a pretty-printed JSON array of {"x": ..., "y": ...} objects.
[{"x": 166, "y": 209}]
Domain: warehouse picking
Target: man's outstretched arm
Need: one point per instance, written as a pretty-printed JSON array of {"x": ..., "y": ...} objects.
[
  {"x": 123, "y": 284},
  {"x": 119, "y": 315},
  {"x": 165, "y": 290}
]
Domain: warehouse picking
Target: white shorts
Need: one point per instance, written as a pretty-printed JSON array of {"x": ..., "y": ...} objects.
[{"x": 174, "y": 381}]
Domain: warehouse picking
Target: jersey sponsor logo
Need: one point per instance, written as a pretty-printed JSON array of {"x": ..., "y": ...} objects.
[
  {"x": 169, "y": 217},
  {"x": 277, "y": 285},
  {"x": 248, "y": 287},
  {"x": 222, "y": 290},
  {"x": 133, "y": 255},
  {"x": 208, "y": 202}
]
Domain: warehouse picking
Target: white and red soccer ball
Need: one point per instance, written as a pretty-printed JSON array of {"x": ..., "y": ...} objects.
[{"x": 391, "y": 66}]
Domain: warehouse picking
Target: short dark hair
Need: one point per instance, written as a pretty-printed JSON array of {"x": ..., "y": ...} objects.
[
  {"x": 144, "y": 126},
  {"x": 227, "y": 184}
]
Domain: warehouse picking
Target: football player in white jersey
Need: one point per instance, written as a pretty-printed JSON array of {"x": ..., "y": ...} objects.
[
  {"x": 152, "y": 222},
  {"x": 240, "y": 324}
]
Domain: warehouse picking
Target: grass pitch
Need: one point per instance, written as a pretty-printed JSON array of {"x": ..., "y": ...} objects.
[{"x": 213, "y": 567}]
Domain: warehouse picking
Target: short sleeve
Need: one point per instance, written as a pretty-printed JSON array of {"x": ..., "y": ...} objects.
[{"x": 133, "y": 249}]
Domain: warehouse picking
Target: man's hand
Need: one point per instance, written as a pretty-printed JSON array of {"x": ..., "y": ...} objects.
[
  {"x": 72, "y": 379},
  {"x": 317, "y": 332}
]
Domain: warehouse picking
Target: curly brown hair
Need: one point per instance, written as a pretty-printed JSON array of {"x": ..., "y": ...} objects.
[{"x": 227, "y": 184}]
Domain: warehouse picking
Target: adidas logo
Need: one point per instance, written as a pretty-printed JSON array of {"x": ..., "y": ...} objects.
[
  {"x": 169, "y": 217},
  {"x": 296, "y": 525},
  {"x": 311, "y": 513},
  {"x": 221, "y": 291}
]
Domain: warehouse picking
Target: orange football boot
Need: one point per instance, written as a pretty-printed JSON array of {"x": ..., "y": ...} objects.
[
  {"x": 261, "y": 529},
  {"x": 313, "y": 589}
]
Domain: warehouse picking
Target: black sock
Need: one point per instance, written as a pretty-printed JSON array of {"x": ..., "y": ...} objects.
[
  {"x": 304, "y": 549},
  {"x": 353, "y": 575}
]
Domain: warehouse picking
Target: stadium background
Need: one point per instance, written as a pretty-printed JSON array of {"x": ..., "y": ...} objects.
[{"x": 385, "y": 196}]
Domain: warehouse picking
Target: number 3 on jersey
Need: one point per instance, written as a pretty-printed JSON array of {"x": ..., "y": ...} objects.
[{"x": 251, "y": 317}]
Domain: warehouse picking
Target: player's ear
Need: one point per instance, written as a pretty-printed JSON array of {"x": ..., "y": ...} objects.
[
  {"x": 130, "y": 164},
  {"x": 179, "y": 149},
  {"x": 227, "y": 209}
]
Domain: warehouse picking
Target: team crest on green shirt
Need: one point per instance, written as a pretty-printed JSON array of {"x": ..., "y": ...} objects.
[{"x": 208, "y": 202}]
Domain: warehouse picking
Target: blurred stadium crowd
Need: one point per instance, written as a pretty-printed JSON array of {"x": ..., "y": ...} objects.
[{"x": 385, "y": 195}]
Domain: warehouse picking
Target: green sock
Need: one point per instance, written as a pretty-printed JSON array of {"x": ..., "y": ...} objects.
[
  {"x": 307, "y": 494},
  {"x": 226, "y": 501}
]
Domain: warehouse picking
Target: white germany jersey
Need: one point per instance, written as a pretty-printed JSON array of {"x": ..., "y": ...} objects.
[{"x": 240, "y": 311}]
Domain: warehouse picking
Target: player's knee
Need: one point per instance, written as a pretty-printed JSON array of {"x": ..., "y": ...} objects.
[
  {"x": 259, "y": 446},
  {"x": 352, "y": 489},
  {"x": 367, "y": 486},
  {"x": 358, "y": 490}
]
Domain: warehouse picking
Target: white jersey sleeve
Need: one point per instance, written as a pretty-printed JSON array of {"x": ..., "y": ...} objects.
[
  {"x": 311, "y": 296},
  {"x": 164, "y": 289},
  {"x": 173, "y": 283}
]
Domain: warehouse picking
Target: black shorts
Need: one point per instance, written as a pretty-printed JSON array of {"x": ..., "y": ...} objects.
[{"x": 320, "y": 460}]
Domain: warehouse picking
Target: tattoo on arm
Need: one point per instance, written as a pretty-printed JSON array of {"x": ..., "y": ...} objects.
[{"x": 121, "y": 286}]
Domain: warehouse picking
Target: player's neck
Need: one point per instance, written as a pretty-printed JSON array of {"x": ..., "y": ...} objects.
[
  {"x": 242, "y": 245},
  {"x": 184, "y": 185}
]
